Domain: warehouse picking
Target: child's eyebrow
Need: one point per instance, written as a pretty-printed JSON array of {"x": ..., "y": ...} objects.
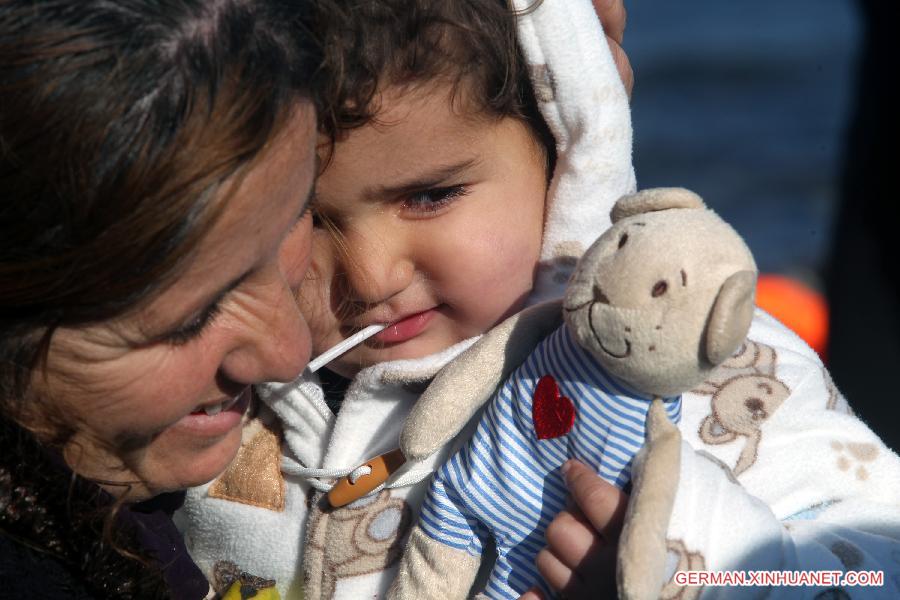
[{"x": 435, "y": 177}]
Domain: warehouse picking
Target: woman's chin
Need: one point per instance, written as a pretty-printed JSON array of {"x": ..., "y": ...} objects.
[
  {"x": 216, "y": 460},
  {"x": 195, "y": 467}
]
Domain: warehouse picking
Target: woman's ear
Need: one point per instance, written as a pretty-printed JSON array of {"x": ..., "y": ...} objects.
[
  {"x": 652, "y": 200},
  {"x": 729, "y": 319}
]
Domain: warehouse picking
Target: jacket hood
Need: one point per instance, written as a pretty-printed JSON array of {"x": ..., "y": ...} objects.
[{"x": 584, "y": 102}]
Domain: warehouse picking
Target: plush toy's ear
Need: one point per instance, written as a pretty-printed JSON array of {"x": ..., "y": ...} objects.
[
  {"x": 730, "y": 317},
  {"x": 654, "y": 199}
]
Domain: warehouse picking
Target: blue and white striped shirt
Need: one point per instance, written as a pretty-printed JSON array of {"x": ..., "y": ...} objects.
[{"x": 506, "y": 484}]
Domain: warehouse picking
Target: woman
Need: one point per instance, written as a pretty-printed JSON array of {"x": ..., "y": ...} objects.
[{"x": 156, "y": 163}]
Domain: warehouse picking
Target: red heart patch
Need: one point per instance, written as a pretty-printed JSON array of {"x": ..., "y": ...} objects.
[{"x": 553, "y": 415}]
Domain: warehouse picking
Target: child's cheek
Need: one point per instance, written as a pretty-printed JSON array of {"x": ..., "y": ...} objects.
[
  {"x": 515, "y": 247},
  {"x": 501, "y": 270},
  {"x": 315, "y": 301}
]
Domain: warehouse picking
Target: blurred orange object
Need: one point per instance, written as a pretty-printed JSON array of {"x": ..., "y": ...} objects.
[{"x": 796, "y": 305}]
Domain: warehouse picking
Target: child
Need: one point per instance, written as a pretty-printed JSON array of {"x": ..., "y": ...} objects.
[{"x": 438, "y": 203}]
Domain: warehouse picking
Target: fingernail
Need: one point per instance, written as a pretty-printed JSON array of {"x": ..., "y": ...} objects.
[{"x": 567, "y": 466}]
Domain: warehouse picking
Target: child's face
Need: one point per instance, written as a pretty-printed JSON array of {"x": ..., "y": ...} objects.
[{"x": 441, "y": 216}]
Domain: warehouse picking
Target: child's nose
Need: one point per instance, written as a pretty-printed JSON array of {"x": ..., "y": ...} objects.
[{"x": 377, "y": 267}]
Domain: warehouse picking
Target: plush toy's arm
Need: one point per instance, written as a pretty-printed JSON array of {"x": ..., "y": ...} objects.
[
  {"x": 654, "y": 479},
  {"x": 429, "y": 570},
  {"x": 443, "y": 554},
  {"x": 464, "y": 385}
]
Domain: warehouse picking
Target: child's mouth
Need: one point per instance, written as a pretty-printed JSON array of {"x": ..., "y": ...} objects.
[{"x": 406, "y": 328}]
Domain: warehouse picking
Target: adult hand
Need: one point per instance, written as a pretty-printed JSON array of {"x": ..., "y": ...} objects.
[
  {"x": 580, "y": 558},
  {"x": 613, "y": 16}
]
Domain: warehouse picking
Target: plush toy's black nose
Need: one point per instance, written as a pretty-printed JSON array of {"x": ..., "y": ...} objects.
[{"x": 599, "y": 296}]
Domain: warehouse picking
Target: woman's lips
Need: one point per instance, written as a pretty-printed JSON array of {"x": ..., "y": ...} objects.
[
  {"x": 406, "y": 328},
  {"x": 214, "y": 425}
]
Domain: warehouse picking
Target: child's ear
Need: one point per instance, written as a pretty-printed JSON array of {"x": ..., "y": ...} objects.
[
  {"x": 730, "y": 317},
  {"x": 652, "y": 200}
]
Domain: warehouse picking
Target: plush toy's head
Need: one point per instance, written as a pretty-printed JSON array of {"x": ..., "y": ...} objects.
[{"x": 665, "y": 294}]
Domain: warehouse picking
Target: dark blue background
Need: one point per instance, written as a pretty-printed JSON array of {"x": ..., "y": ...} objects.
[{"x": 746, "y": 102}]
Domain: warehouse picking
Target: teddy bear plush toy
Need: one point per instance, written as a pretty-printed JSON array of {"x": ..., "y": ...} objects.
[{"x": 660, "y": 299}]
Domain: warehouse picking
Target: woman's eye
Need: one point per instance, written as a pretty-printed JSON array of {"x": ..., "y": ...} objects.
[
  {"x": 435, "y": 198},
  {"x": 193, "y": 328}
]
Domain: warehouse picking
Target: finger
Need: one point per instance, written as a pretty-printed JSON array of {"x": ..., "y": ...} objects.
[
  {"x": 532, "y": 594},
  {"x": 575, "y": 543},
  {"x": 578, "y": 584},
  {"x": 623, "y": 65},
  {"x": 571, "y": 538},
  {"x": 601, "y": 502},
  {"x": 612, "y": 15},
  {"x": 556, "y": 573}
]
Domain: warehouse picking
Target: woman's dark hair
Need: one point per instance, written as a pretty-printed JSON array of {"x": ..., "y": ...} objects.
[{"x": 119, "y": 119}]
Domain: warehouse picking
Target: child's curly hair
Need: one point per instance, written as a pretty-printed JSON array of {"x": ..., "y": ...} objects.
[{"x": 470, "y": 44}]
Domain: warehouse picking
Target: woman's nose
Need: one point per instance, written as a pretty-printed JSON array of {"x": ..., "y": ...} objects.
[
  {"x": 376, "y": 267},
  {"x": 273, "y": 342}
]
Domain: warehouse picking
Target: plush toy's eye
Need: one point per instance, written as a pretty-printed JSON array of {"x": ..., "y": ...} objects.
[
  {"x": 659, "y": 288},
  {"x": 623, "y": 240},
  {"x": 683, "y": 278}
]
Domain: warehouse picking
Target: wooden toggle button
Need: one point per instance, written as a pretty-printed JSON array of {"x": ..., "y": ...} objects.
[{"x": 383, "y": 466}]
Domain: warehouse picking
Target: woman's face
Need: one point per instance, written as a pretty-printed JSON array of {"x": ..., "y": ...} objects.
[{"x": 157, "y": 397}]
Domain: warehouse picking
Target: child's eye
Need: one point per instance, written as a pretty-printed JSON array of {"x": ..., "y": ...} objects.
[
  {"x": 193, "y": 328},
  {"x": 434, "y": 199}
]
